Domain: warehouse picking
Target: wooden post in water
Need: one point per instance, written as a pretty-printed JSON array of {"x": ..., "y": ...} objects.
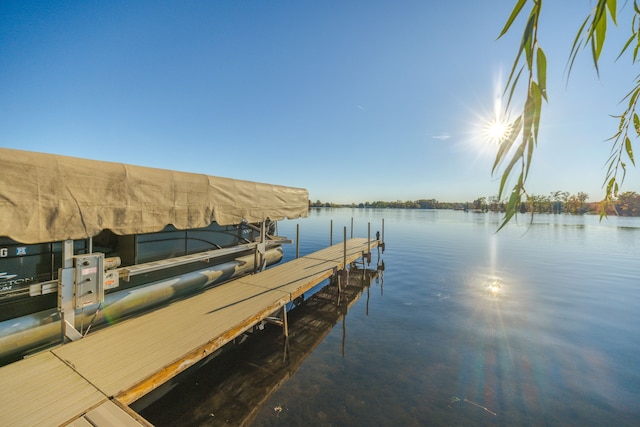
[
  {"x": 345, "y": 249},
  {"x": 368, "y": 243},
  {"x": 285, "y": 328},
  {"x": 331, "y": 234},
  {"x": 343, "y": 274},
  {"x": 297, "y": 241},
  {"x": 352, "y": 227}
]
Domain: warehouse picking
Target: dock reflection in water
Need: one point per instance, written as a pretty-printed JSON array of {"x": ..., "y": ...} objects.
[{"x": 231, "y": 388}]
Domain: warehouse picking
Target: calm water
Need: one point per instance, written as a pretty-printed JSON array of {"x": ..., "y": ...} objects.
[{"x": 537, "y": 325}]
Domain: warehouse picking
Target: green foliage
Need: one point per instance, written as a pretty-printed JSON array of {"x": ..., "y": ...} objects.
[
  {"x": 628, "y": 204},
  {"x": 557, "y": 202},
  {"x": 526, "y": 125},
  {"x": 531, "y": 60}
]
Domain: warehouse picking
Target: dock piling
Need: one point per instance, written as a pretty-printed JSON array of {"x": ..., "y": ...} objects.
[
  {"x": 297, "y": 241},
  {"x": 331, "y": 233},
  {"x": 345, "y": 249},
  {"x": 285, "y": 331}
]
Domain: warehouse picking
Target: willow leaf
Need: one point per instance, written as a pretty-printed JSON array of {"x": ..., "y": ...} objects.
[
  {"x": 636, "y": 123},
  {"x": 541, "y": 62},
  {"x": 627, "y": 146},
  {"x": 612, "y": 181},
  {"x": 534, "y": 111},
  {"x": 576, "y": 46},
  {"x": 598, "y": 32},
  {"x": 506, "y": 145},
  {"x": 536, "y": 95},
  {"x": 611, "y": 5},
  {"x": 528, "y": 38},
  {"x": 512, "y": 205},
  {"x": 517, "y": 156},
  {"x": 513, "y": 87},
  {"x": 633, "y": 97},
  {"x": 594, "y": 55},
  {"x": 514, "y": 14},
  {"x": 622, "y": 121},
  {"x": 529, "y": 108},
  {"x": 603, "y": 210},
  {"x": 626, "y": 46}
]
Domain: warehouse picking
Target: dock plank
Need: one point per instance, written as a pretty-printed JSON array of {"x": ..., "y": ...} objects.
[
  {"x": 108, "y": 414},
  {"x": 122, "y": 356},
  {"x": 126, "y": 361},
  {"x": 42, "y": 390}
]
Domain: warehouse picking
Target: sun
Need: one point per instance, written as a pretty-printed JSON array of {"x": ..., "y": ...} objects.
[{"x": 496, "y": 130}]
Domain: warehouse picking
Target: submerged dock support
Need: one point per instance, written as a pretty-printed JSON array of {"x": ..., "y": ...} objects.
[
  {"x": 285, "y": 332},
  {"x": 368, "y": 254},
  {"x": 331, "y": 233},
  {"x": 343, "y": 274},
  {"x": 352, "y": 227},
  {"x": 284, "y": 324}
]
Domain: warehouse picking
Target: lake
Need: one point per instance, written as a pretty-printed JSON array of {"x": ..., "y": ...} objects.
[{"x": 538, "y": 324}]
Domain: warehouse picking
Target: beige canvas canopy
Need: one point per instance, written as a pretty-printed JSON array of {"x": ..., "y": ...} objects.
[{"x": 46, "y": 198}]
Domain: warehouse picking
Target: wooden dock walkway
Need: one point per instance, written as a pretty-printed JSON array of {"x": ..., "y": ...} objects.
[{"x": 92, "y": 381}]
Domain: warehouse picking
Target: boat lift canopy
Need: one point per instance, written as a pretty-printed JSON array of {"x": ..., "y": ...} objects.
[{"x": 47, "y": 198}]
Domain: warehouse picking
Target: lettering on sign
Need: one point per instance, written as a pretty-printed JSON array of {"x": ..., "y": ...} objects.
[
  {"x": 90, "y": 270},
  {"x": 21, "y": 250},
  {"x": 4, "y": 252}
]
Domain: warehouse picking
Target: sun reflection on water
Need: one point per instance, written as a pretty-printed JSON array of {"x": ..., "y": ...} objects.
[
  {"x": 494, "y": 286},
  {"x": 493, "y": 282}
]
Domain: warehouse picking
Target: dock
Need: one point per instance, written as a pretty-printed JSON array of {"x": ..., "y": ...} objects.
[
  {"x": 93, "y": 381},
  {"x": 233, "y": 388}
]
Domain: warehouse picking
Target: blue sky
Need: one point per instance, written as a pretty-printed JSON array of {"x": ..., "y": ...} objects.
[{"x": 354, "y": 100}]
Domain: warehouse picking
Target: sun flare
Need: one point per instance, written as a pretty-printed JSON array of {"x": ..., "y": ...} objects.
[{"x": 496, "y": 130}]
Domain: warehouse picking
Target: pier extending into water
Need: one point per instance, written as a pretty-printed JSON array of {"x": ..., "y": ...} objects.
[{"x": 93, "y": 380}]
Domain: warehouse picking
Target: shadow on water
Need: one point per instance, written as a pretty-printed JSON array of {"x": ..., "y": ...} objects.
[{"x": 231, "y": 388}]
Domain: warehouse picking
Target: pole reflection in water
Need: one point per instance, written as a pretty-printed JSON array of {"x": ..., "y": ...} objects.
[{"x": 232, "y": 387}]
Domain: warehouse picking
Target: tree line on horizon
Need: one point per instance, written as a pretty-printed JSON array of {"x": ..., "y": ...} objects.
[{"x": 557, "y": 202}]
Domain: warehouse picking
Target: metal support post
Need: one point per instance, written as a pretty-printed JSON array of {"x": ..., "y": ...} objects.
[
  {"x": 368, "y": 243},
  {"x": 331, "y": 234},
  {"x": 285, "y": 331},
  {"x": 297, "y": 241},
  {"x": 344, "y": 274},
  {"x": 260, "y": 260},
  {"x": 344, "y": 260},
  {"x": 352, "y": 227},
  {"x": 66, "y": 293}
]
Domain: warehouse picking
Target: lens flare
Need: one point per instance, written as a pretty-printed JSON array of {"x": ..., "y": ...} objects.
[{"x": 498, "y": 128}]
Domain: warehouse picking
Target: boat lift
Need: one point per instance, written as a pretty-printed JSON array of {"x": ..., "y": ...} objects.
[{"x": 83, "y": 279}]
